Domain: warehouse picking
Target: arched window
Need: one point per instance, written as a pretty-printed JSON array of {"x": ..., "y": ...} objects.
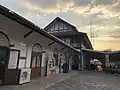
[
  {"x": 55, "y": 54},
  {"x": 37, "y": 48},
  {"x": 36, "y": 55},
  {"x": 36, "y": 61},
  {"x": 4, "y": 45},
  {"x": 4, "y": 54},
  {"x": 4, "y": 40}
]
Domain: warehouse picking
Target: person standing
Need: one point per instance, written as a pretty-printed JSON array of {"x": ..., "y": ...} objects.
[{"x": 65, "y": 67}]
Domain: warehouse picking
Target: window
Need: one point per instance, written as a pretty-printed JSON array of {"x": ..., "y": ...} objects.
[
  {"x": 4, "y": 40},
  {"x": 36, "y": 55}
]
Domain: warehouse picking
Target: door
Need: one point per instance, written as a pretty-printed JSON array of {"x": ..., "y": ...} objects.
[
  {"x": 3, "y": 62},
  {"x": 36, "y": 65},
  {"x": 33, "y": 66},
  {"x": 4, "y": 54}
]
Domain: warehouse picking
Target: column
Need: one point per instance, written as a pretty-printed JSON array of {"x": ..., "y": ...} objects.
[
  {"x": 80, "y": 65},
  {"x": 43, "y": 64},
  {"x": 82, "y": 60},
  {"x": 107, "y": 60}
]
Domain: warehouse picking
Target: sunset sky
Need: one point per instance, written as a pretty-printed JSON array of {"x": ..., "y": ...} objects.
[{"x": 78, "y": 13}]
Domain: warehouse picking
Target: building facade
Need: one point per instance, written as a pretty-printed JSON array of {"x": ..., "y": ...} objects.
[
  {"x": 27, "y": 51},
  {"x": 70, "y": 35}
]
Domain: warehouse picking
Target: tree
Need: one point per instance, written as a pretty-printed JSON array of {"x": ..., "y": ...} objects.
[{"x": 107, "y": 50}]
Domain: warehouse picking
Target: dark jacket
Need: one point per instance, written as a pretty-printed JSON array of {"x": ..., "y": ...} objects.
[{"x": 65, "y": 67}]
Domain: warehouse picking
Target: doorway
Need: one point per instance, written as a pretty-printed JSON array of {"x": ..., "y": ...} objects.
[
  {"x": 36, "y": 61},
  {"x": 55, "y": 55},
  {"x": 4, "y": 55}
]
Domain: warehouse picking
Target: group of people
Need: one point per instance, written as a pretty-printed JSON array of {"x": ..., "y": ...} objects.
[{"x": 115, "y": 66}]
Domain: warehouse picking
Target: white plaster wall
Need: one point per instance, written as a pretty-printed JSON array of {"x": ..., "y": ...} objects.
[
  {"x": 21, "y": 63},
  {"x": 13, "y": 59},
  {"x": 16, "y": 32},
  {"x": 28, "y": 55},
  {"x": 44, "y": 59},
  {"x": 26, "y": 49},
  {"x": 23, "y": 48},
  {"x": 19, "y": 46}
]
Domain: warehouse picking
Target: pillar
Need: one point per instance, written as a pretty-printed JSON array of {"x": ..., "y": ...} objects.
[
  {"x": 82, "y": 60},
  {"x": 79, "y": 67},
  {"x": 107, "y": 60},
  {"x": 43, "y": 64}
]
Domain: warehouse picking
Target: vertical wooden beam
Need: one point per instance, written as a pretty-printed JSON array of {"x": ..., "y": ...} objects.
[
  {"x": 27, "y": 34},
  {"x": 51, "y": 43},
  {"x": 63, "y": 48}
]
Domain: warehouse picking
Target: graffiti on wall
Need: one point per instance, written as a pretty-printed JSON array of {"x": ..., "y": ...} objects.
[
  {"x": 51, "y": 65},
  {"x": 24, "y": 75}
]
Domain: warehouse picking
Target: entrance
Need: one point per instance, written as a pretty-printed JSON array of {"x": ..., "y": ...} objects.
[
  {"x": 93, "y": 59},
  {"x": 55, "y": 55},
  {"x": 4, "y": 53},
  {"x": 36, "y": 61}
]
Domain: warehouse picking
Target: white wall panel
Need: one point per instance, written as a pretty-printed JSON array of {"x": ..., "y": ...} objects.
[
  {"x": 13, "y": 60},
  {"x": 19, "y": 46},
  {"x": 44, "y": 59},
  {"x": 24, "y": 75},
  {"x": 21, "y": 63},
  {"x": 28, "y": 57}
]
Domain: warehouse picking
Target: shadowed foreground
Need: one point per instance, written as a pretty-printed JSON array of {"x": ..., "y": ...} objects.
[{"x": 89, "y": 81}]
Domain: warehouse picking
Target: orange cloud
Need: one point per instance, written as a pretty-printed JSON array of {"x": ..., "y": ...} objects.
[{"x": 106, "y": 43}]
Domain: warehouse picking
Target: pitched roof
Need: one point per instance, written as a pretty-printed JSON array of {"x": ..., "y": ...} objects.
[
  {"x": 85, "y": 37},
  {"x": 86, "y": 40},
  {"x": 17, "y": 18},
  {"x": 55, "y": 20}
]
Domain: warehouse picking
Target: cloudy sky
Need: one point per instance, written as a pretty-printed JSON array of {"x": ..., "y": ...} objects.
[{"x": 104, "y": 15}]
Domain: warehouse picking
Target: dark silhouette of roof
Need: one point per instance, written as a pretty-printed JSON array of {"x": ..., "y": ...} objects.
[{"x": 55, "y": 20}]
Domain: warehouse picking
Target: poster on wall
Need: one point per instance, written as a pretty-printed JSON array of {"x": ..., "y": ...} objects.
[
  {"x": 13, "y": 59},
  {"x": 24, "y": 75},
  {"x": 51, "y": 66}
]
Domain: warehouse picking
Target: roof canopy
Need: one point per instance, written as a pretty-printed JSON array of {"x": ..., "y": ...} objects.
[{"x": 17, "y": 18}]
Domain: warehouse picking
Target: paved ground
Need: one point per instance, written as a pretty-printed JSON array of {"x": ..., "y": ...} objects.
[
  {"x": 41, "y": 83},
  {"x": 89, "y": 81}
]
